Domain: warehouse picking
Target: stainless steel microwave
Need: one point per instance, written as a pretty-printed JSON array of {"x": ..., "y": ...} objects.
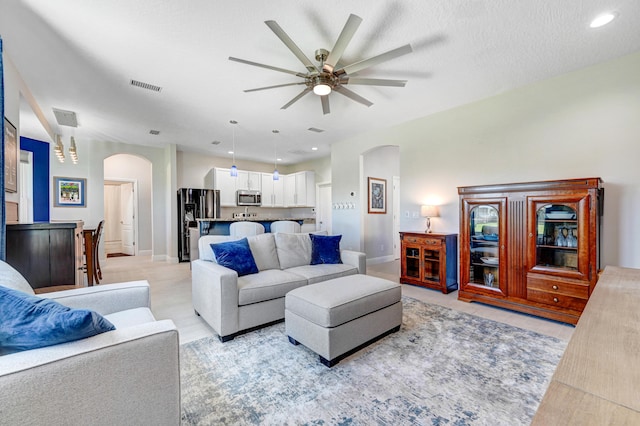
[{"x": 245, "y": 197}]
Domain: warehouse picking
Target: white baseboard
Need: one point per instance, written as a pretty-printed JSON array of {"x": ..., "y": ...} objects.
[
  {"x": 144, "y": 253},
  {"x": 383, "y": 259},
  {"x": 164, "y": 258}
]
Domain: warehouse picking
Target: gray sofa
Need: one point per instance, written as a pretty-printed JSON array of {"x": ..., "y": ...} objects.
[
  {"x": 232, "y": 304},
  {"x": 130, "y": 375}
]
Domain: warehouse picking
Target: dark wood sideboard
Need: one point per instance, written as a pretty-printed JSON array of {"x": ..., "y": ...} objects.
[{"x": 47, "y": 254}]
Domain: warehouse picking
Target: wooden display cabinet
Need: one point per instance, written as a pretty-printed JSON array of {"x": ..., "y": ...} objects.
[
  {"x": 531, "y": 247},
  {"x": 429, "y": 260}
]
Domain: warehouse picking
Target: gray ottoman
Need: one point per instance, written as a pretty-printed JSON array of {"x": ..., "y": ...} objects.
[{"x": 337, "y": 317}]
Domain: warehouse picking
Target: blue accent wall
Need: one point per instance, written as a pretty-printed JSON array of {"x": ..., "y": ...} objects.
[{"x": 41, "y": 177}]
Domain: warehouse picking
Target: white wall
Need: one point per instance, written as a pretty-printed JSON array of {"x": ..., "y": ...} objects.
[
  {"x": 581, "y": 124},
  {"x": 91, "y": 166},
  {"x": 381, "y": 163}
]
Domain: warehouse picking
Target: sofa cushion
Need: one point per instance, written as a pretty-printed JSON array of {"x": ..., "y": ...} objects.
[
  {"x": 11, "y": 278},
  {"x": 317, "y": 273},
  {"x": 204, "y": 245},
  {"x": 325, "y": 249},
  {"x": 30, "y": 322},
  {"x": 293, "y": 249},
  {"x": 235, "y": 255},
  {"x": 131, "y": 317},
  {"x": 267, "y": 285},
  {"x": 263, "y": 248}
]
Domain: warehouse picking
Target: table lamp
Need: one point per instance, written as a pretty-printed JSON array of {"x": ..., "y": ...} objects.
[{"x": 429, "y": 212}]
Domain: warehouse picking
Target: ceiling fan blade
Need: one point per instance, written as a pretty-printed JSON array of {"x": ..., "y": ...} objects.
[
  {"x": 374, "y": 81},
  {"x": 325, "y": 104},
  {"x": 383, "y": 57},
  {"x": 297, "y": 98},
  {"x": 269, "y": 67},
  {"x": 273, "y": 87},
  {"x": 341, "y": 43},
  {"x": 291, "y": 45},
  {"x": 353, "y": 96}
]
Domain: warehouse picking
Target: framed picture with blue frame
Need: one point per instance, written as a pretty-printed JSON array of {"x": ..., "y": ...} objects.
[{"x": 69, "y": 192}]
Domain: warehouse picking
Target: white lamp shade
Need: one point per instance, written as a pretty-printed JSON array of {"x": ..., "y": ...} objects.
[{"x": 429, "y": 211}]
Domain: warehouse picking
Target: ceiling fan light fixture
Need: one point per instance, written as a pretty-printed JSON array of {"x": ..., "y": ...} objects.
[{"x": 322, "y": 89}]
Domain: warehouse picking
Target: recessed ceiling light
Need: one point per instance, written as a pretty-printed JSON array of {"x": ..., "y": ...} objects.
[
  {"x": 315, "y": 148},
  {"x": 230, "y": 152},
  {"x": 603, "y": 19},
  {"x": 279, "y": 159}
]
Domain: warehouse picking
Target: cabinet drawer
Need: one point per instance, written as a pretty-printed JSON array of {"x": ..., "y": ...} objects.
[
  {"x": 424, "y": 241},
  {"x": 556, "y": 299},
  {"x": 553, "y": 286}
]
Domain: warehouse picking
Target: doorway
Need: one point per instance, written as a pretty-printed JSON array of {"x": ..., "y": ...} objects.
[
  {"x": 323, "y": 208},
  {"x": 120, "y": 225}
]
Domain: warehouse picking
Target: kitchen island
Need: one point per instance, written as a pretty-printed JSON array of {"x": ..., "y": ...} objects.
[{"x": 221, "y": 226}]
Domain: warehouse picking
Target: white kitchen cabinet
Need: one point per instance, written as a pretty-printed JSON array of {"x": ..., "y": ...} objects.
[
  {"x": 300, "y": 189},
  {"x": 249, "y": 180},
  {"x": 272, "y": 191},
  {"x": 221, "y": 179}
]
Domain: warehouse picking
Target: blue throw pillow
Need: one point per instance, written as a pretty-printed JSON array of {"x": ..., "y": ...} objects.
[
  {"x": 325, "y": 249},
  {"x": 236, "y": 255},
  {"x": 30, "y": 322}
]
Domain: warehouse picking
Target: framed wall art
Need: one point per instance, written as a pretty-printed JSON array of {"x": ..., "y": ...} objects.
[
  {"x": 10, "y": 157},
  {"x": 69, "y": 192},
  {"x": 377, "y": 195}
]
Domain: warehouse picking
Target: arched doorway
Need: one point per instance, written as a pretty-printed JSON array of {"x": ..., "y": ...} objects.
[{"x": 128, "y": 209}]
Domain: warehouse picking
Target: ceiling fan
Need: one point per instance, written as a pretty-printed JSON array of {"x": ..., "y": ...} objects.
[{"x": 326, "y": 78}]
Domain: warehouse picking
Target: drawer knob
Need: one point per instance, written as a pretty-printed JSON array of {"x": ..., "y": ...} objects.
[
  {"x": 555, "y": 287},
  {"x": 555, "y": 299}
]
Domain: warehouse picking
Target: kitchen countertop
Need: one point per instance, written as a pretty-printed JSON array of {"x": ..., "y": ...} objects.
[{"x": 256, "y": 219}]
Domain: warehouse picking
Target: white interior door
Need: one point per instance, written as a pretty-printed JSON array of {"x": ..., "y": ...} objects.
[
  {"x": 25, "y": 187},
  {"x": 127, "y": 218},
  {"x": 111, "y": 235},
  {"x": 396, "y": 217},
  {"x": 323, "y": 208}
]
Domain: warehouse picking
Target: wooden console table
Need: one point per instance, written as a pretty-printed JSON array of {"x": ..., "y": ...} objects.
[{"x": 597, "y": 381}]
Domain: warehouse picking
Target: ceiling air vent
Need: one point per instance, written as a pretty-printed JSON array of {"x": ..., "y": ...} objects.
[
  {"x": 298, "y": 152},
  {"x": 147, "y": 86},
  {"x": 215, "y": 143},
  {"x": 65, "y": 118},
  {"x": 315, "y": 129},
  {"x": 154, "y": 132}
]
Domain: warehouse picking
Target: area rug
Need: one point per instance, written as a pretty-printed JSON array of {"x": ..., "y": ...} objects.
[{"x": 442, "y": 368}]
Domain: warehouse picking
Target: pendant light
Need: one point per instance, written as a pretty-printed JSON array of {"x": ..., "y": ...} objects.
[
  {"x": 234, "y": 169},
  {"x": 276, "y": 175},
  {"x": 59, "y": 149},
  {"x": 73, "y": 152}
]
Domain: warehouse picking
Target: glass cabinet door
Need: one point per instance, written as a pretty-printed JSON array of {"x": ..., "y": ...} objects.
[
  {"x": 557, "y": 236},
  {"x": 484, "y": 246},
  {"x": 431, "y": 265},
  {"x": 412, "y": 256}
]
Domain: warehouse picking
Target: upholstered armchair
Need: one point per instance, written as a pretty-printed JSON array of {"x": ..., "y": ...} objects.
[{"x": 129, "y": 375}]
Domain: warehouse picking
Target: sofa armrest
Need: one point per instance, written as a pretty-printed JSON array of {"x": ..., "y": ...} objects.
[
  {"x": 125, "y": 376},
  {"x": 215, "y": 295},
  {"x": 355, "y": 258},
  {"x": 105, "y": 298}
]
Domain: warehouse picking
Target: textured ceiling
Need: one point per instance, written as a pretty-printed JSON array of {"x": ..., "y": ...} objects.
[{"x": 81, "y": 55}]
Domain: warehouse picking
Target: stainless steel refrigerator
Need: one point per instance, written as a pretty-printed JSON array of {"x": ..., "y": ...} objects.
[{"x": 194, "y": 203}]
